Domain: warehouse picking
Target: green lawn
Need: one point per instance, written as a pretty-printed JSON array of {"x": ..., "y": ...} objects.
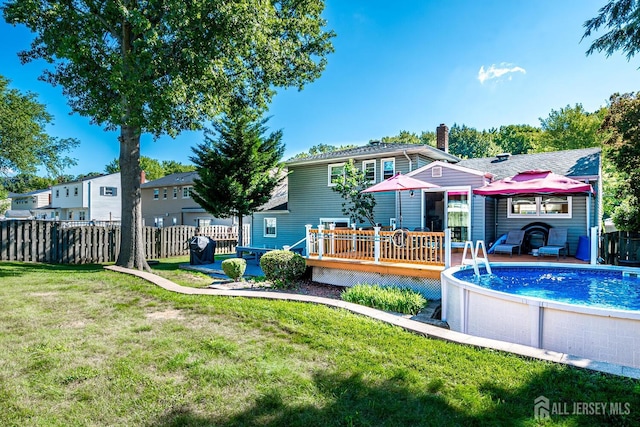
[{"x": 83, "y": 346}]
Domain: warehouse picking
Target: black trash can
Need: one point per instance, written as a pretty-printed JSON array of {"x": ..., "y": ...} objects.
[{"x": 202, "y": 250}]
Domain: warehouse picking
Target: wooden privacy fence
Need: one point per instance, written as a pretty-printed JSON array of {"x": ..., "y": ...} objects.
[
  {"x": 53, "y": 242},
  {"x": 620, "y": 247},
  {"x": 378, "y": 246}
]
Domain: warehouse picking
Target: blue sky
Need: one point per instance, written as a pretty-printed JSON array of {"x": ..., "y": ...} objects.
[{"x": 404, "y": 65}]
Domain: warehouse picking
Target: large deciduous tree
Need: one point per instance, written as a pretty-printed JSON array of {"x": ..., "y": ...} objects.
[
  {"x": 24, "y": 142},
  {"x": 517, "y": 139},
  {"x": 238, "y": 166},
  {"x": 570, "y": 128},
  {"x": 623, "y": 150},
  {"x": 164, "y": 66},
  {"x": 468, "y": 143}
]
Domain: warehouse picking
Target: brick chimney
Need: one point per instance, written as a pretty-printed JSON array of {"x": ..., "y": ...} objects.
[
  {"x": 442, "y": 138},
  {"x": 143, "y": 177}
]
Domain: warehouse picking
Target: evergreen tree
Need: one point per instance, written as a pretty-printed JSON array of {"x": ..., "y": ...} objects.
[{"x": 239, "y": 167}]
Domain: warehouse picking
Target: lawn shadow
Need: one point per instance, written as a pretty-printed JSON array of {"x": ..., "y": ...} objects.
[
  {"x": 352, "y": 401},
  {"x": 12, "y": 268}
]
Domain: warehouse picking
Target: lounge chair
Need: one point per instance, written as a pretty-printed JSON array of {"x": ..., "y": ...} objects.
[
  {"x": 556, "y": 243},
  {"x": 514, "y": 240}
]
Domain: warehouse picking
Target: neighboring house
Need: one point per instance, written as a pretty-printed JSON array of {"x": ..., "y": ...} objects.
[
  {"x": 38, "y": 202},
  {"x": 167, "y": 201},
  {"x": 93, "y": 198},
  {"x": 311, "y": 199}
]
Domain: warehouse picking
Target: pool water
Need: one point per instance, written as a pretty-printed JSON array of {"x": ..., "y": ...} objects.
[{"x": 587, "y": 287}]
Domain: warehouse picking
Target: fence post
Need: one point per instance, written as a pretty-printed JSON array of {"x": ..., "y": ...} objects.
[
  {"x": 376, "y": 245},
  {"x": 307, "y": 228},
  {"x": 320, "y": 240},
  {"x": 594, "y": 245}
]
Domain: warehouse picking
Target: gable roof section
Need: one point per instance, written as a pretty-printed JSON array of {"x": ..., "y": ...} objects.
[
  {"x": 175, "y": 179},
  {"x": 580, "y": 163},
  {"x": 374, "y": 150},
  {"x": 30, "y": 193},
  {"x": 456, "y": 167}
]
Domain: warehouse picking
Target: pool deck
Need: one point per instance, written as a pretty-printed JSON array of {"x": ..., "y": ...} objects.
[{"x": 416, "y": 327}]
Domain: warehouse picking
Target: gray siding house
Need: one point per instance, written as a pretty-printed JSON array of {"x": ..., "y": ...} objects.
[
  {"x": 167, "y": 201},
  {"x": 311, "y": 199}
]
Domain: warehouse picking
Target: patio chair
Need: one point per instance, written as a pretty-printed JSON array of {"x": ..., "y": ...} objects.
[
  {"x": 514, "y": 240},
  {"x": 556, "y": 243}
]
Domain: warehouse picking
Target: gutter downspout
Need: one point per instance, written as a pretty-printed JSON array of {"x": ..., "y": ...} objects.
[{"x": 408, "y": 158}]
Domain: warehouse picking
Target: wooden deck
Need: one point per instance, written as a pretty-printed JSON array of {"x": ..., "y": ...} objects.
[{"x": 429, "y": 271}]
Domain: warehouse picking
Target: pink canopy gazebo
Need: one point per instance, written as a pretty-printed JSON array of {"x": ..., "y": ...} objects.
[
  {"x": 399, "y": 182},
  {"x": 534, "y": 182}
]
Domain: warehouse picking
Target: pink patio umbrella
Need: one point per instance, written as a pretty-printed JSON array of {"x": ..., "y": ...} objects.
[
  {"x": 399, "y": 182},
  {"x": 534, "y": 182}
]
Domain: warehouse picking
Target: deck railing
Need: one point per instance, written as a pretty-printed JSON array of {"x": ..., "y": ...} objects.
[{"x": 376, "y": 245}]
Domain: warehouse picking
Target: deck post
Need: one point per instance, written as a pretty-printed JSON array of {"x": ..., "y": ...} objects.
[
  {"x": 376, "y": 245},
  {"x": 320, "y": 240},
  {"x": 307, "y": 228},
  {"x": 447, "y": 248},
  {"x": 353, "y": 237},
  {"x": 332, "y": 247}
]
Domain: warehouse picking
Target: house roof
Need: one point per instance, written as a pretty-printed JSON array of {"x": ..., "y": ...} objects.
[
  {"x": 279, "y": 197},
  {"x": 180, "y": 178},
  {"x": 583, "y": 163},
  {"x": 86, "y": 178},
  {"x": 375, "y": 150},
  {"x": 30, "y": 193}
]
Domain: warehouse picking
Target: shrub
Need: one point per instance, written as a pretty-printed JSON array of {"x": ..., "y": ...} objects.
[
  {"x": 234, "y": 267},
  {"x": 282, "y": 268},
  {"x": 387, "y": 298}
]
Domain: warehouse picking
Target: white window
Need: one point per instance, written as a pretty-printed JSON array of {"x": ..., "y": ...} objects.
[
  {"x": 336, "y": 172},
  {"x": 186, "y": 192},
  {"x": 539, "y": 206},
  {"x": 339, "y": 222},
  {"x": 82, "y": 216},
  {"x": 108, "y": 191},
  {"x": 158, "y": 221},
  {"x": 203, "y": 222},
  {"x": 164, "y": 194},
  {"x": 67, "y": 192},
  {"x": 388, "y": 168},
  {"x": 156, "y": 193},
  {"x": 57, "y": 192},
  {"x": 175, "y": 192},
  {"x": 436, "y": 172},
  {"x": 369, "y": 169},
  {"x": 75, "y": 191},
  {"x": 270, "y": 227}
]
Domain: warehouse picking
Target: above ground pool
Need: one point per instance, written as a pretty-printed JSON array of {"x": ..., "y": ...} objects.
[
  {"x": 581, "y": 286},
  {"x": 588, "y": 312}
]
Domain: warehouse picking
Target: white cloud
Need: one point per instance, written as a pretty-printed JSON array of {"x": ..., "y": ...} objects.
[{"x": 497, "y": 71}]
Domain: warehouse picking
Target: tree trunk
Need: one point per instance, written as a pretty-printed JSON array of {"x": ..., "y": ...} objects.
[
  {"x": 240, "y": 231},
  {"x": 132, "y": 242}
]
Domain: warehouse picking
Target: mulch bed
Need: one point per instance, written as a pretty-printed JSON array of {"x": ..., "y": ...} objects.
[{"x": 304, "y": 287}]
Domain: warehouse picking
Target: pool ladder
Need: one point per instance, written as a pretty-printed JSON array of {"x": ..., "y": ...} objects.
[{"x": 475, "y": 258}]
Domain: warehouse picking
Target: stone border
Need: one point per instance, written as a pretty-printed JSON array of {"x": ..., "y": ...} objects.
[{"x": 407, "y": 324}]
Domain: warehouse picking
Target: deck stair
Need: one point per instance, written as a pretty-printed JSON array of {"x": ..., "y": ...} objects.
[{"x": 477, "y": 256}]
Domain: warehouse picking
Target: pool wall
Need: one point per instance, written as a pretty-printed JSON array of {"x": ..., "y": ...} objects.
[{"x": 592, "y": 333}]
